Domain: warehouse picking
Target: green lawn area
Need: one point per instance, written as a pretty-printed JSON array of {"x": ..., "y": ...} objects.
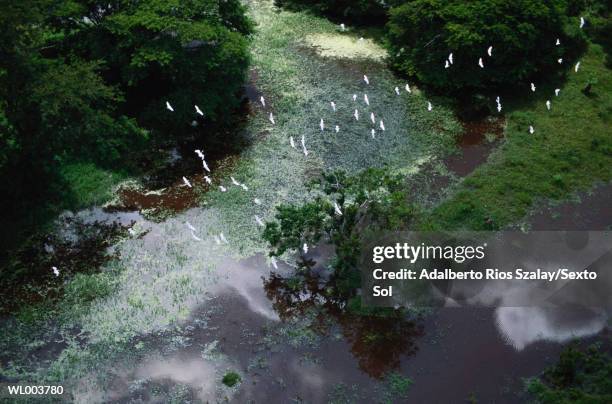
[{"x": 570, "y": 150}]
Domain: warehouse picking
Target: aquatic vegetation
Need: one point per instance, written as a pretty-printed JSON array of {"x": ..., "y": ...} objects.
[{"x": 230, "y": 379}]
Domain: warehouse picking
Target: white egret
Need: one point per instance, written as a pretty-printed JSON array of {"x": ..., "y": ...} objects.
[
  {"x": 533, "y": 87},
  {"x": 354, "y": 97},
  {"x": 271, "y": 118},
  {"x": 207, "y": 179},
  {"x": 234, "y": 181},
  {"x": 365, "y": 78},
  {"x": 361, "y": 38},
  {"x": 366, "y": 99},
  {"x": 259, "y": 221},
  {"x": 322, "y": 125},
  {"x": 397, "y": 91},
  {"x": 205, "y": 165},
  {"x": 190, "y": 226},
  {"x": 333, "y": 105},
  {"x": 222, "y": 237},
  {"x": 196, "y": 238},
  {"x": 382, "y": 125},
  {"x": 577, "y": 67},
  {"x": 480, "y": 63},
  {"x": 257, "y": 201},
  {"x": 291, "y": 141},
  {"x": 373, "y": 132},
  {"x": 581, "y": 22},
  {"x": 560, "y": 60},
  {"x": 450, "y": 58},
  {"x": 222, "y": 188},
  {"x": 557, "y": 91},
  {"x": 429, "y": 106},
  {"x": 273, "y": 261},
  {"x": 531, "y": 130},
  {"x": 132, "y": 232},
  {"x": 243, "y": 186},
  {"x": 199, "y": 153},
  {"x": 55, "y": 271},
  {"x": 446, "y": 64},
  {"x": 558, "y": 42},
  {"x": 490, "y": 51},
  {"x": 337, "y": 209},
  {"x": 499, "y": 107},
  {"x": 217, "y": 240},
  {"x": 548, "y": 105},
  {"x": 186, "y": 182},
  {"x": 372, "y": 118},
  {"x": 408, "y": 88},
  {"x": 198, "y": 110},
  {"x": 263, "y": 101},
  {"x": 343, "y": 27},
  {"x": 304, "y": 146},
  {"x": 169, "y": 107},
  {"x": 305, "y": 248},
  {"x": 337, "y": 128},
  {"x": 356, "y": 115}
]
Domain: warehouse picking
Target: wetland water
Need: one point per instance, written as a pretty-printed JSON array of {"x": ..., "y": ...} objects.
[{"x": 185, "y": 312}]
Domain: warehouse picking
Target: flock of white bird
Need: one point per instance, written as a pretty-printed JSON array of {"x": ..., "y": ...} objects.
[{"x": 220, "y": 238}]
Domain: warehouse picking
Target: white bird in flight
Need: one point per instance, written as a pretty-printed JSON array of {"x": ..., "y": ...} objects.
[
  {"x": 263, "y": 101},
  {"x": 382, "y": 125},
  {"x": 557, "y": 91},
  {"x": 259, "y": 221},
  {"x": 558, "y": 42},
  {"x": 207, "y": 179},
  {"x": 271, "y": 118},
  {"x": 480, "y": 63},
  {"x": 365, "y": 78},
  {"x": 291, "y": 141},
  {"x": 531, "y": 130},
  {"x": 581, "y": 22},
  {"x": 397, "y": 91},
  {"x": 577, "y": 67},
  {"x": 305, "y": 248},
  {"x": 333, "y": 105},
  {"x": 199, "y": 153},
  {"x": 205, "y": 165},
  {"x": 490, "y": 51},
  {"x": 337, "y": 209},
  {"x": 190, "y": 226},
  {"x": 222, "y": 188},
  {"x": 186, "y": 182},
  {"x": 450, "y": 58},
  {"x": 429, "y": 106},
  {"x": 55, "y": 271},
  {"x": 322, "y": 125},
  {"x": 533, "y": 87},
  {"x": 372, "y": 118},
  {"x": 169, "y": 107},
  {"x": 548, "y": 105},
  {"x": 366, "y": 99},
  {"x": 560, "y": 60},
  {"x": 234, "y": 181},
  {"x": 356, "y": 115},
  {"x": 408, "y": 87},
  {"x": 198, "y": 110},
  {"x": 446, "y": 64}
]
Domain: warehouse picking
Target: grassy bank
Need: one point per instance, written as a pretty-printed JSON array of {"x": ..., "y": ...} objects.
[{"x": 570, "y": 150}]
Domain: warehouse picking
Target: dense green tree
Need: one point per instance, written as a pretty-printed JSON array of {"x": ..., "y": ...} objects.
[
  {"x": 349, "y": 11},
  {"x": 523, "y": 33}
]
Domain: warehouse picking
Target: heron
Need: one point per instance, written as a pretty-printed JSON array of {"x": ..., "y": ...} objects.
[
  {"x": 305, "y": 248},
  {"x": 408, "y": 87},
  {"x": 304, "y": 146},
  {"x": 271, "y": 118},
  {"x": 207, "y": 179},
  {"x": 446, "y": 65},
  {"x": 337, "y": 209},
  {"x": 199, "y": 153},
  {"x": 450, "y": 58},
  {"x": 337, "y": 128},
  {"x": 322, "y": 125},
  {"x": 548, "y": 105},
  {"x": 222, "y": 237},
  {"x": 557, "y": 91},
  {"x": 560, "y": 60},
  {"x": 499, "y": 107},
  {"x": 558, "y": 42},
  {"x": 205, "y": 165},
  {"x": 273, "y": 261},
  {"x": 577, "y": 67},
  {"x": 257, "y": 201},
  {"x": 263, "y": 101},
  {"x": 354, "y": 97},
  {"x": 333, "y": 105},
  {"x": 533, "y": 87},
  {"x": 234, "y": 181},
  {"x": 373, "y": 132},
  {"x": 397, "y": 91},
  {"x": 55, "y": 271},
  {"x": 490, "y": 51},
  {"x": 429, "y": 106},
  {"x": 581, "y": 22},
  {"x": 259, "y": 221},
  {"x": 365, "y": 78},
  {"x": 531, "y": 130},
  {"x": 342, "y": 27},
  {"x": 222, "y": 188},
  {"x": 169, "y": 107},
  {"x": 356, "y": 115},
  {"x": 480, "y": 63},
  {"x": 190, "y": 226},
  {"x": 366, "y": 99},
  {"x": 382, "y": 125},
  {"x": 186, "y": 182},
  {"x": 372, "y": 118},
  {"x": 291, "y": 141},
  {"x": 198, "y": 110}
]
